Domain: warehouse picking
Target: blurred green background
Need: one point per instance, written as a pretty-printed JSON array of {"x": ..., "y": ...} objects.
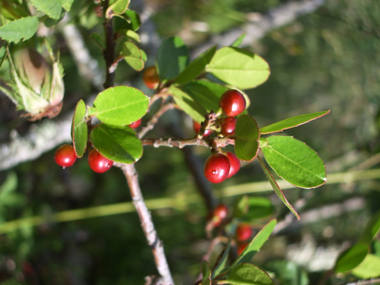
[{"x": 325, "y": 60}]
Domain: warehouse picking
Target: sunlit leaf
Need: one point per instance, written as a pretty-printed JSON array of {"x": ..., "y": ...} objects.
[
  {"x": 247, "y": 274},
  {"x": 21, "y": 29},
  {"x": 188, "y": 104},
  {"x": 351, "y": 258},
  {"x": 239, "y": 68},
  {"x": 294, "y": 161},
  {"x": 121, "y": 105},
  {"x": 292, "y": 122}
]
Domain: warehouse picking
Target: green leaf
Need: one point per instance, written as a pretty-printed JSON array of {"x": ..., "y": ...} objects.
[
  {"x": 134, "y": 19},
  {"x": 238, "y": 41},
  {"x": 196, "y": 67},
  {"x": 118, "y": 7},
  {"x": 247, "y": 274},
  {"x": 121, "y": 105},
  {"x": 246, "y": 137},
  {"x": 277, "y": 188},
  {"x": 206, "y": 93},
  {"x": 17, "y": 30},
  {"x": 371, "y": 230},
  {"x": 222, "y": 262},
  {"x": 133, "y": 35},
  {"x": 369, "y": 268},
  {"x": 288, "y": 272},
  {"x": 256, "y": 243},
  {"x": 239, "y": 68},
  {"x": 294, "y": 161},
  {"x": 206, "y": 272},
  {"x": 52, "y": 8},
  {"x": 188, "y": 104},
  {"x": 66, "y": 4},
  {"x": 3, "y": 55},
  {"x": 259, "y": 207},
  {"x": 79, "y": 130},
  {"x": 119, "y": 144},
  {"x": 132, "y": 55},
  {"x": 8, "y": 186},
  {"x": 292, "y": 122},
  {"x": 98, "y": 40},
  {"x": 351, "y": 258},
  {"x": 172, "y": 58},
  {"x": 241, "y": 207}
]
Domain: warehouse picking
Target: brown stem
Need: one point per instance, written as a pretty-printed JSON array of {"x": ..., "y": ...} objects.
[
  {"x": 147, "y": 224},
  {"x": 180, "y": 143},
  {"x": 109, "y": 52}
]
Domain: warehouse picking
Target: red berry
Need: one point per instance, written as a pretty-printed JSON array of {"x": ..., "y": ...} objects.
[
  {"x": 98, "y": 162},
  {"x": 234, "y": 164},
  {"x": 232, "y": 102},
  {"x": 217, "y": 167},
  {"x": 243, "y": 232},
  {"x": 65, "y": 155},
  {"x": 197, "y": 127},
  {"x": 228, "y": 126},
  {"x": 219, "y": 213},
  {"x": 241, "y": 248},
  {"x": 136, "y": 124},
  {"x": 150, "y": 77}
]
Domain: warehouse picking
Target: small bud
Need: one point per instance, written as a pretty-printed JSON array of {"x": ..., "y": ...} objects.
[{"x": 37, "y": 87}]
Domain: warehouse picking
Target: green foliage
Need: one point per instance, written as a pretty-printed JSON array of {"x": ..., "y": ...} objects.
[
  {"x": 51, "y": 8},
  {"x": 79, "y": 129},
  {"x": 277, "y": 188},
  {"x": 121, "y": 105},
  {"x": 246, "y": 136},
  {"x": 196, "y": 67},
  {"x": 172, "y": 58},
  {"x": 133, "y": 56},
  {"x": 206, "y": 272},
  {"x": 351, "y": 258},
  {"x": 369, "y": 268},
  {"x": 239, "y": 68},
  {"x": 117, "y": 143},
  {"x": 21, "y": 29},
  {"x": 288, "y": 273},
  {"x": 294, "y": 161},
  {"x": 292, "y": 122},
  {"x": 117, "y": 7},
  {"x": 244, "y": 274},
  {"x": 256, "y": 243}
]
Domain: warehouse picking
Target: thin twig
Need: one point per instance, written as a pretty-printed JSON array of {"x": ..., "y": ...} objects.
[
  {"x": 146, "y": 223},
  {"x": 150, "y": 124},
  {"x": 180, "y": 143}
]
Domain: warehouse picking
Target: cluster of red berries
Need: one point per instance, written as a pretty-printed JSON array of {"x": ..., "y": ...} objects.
[
  {"x": 65, "y": 156},
  {"x": 220, "y": 166}
]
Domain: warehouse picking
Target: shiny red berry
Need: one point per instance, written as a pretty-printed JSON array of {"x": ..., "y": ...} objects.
[
  {"x": 232, "y": 102},
  {"x": 219, "y": 213},
  {"x": 228, "y": 126},
  {"x": 150, "y": 77},
  {"x": 217, "y": 167},
  {"x": 65, "y": 155},
  {"x": 234, "y": 164},
  {"x": 136, "y": 124},
  {"x": 98, "y": 162},
  {"x": 243, "y": 232},
  {"x": 197, "y": 127}
]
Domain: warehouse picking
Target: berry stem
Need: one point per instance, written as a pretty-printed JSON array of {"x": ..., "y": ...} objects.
[{"x": 147, "y": 224}]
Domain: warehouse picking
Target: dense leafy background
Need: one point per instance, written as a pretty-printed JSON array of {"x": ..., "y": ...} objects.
[{"x": 327, "y": 60}]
